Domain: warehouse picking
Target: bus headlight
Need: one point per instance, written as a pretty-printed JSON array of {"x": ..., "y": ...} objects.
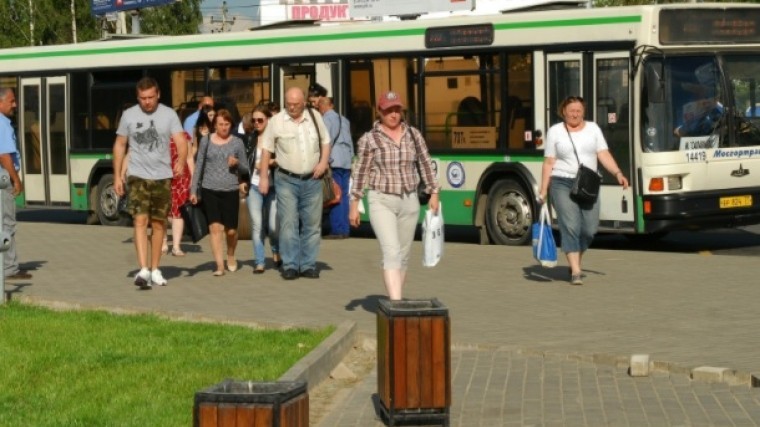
[{"x": 674, "y": 183}]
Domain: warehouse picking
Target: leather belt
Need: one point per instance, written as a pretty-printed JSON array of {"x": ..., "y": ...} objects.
[{"x": 301, "y": 176}]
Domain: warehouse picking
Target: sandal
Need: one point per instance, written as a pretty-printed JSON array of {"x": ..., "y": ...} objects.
[
  {"x": 164, "y": 249},
  {"x": 259, "y": 269},
  {"x": 176, "y": 251},
  {"x": 219, "y": 273}
]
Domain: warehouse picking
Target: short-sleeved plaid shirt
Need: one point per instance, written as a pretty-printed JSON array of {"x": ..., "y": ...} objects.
[{"x": 389, "y": 168}]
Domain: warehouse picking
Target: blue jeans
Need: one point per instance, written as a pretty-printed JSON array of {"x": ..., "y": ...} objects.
[
  {"x": 339, "y": 212},
  {"x": 259, "y": 209},
  {"x": 299, "y": 219},
  {"x": 578, "y": 222}
]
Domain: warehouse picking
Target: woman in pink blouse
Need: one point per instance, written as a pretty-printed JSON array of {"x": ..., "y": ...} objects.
[{"x": 386, "y": 167}]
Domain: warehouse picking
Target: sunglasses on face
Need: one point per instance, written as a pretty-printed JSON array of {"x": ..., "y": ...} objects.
[{"x": 258, "y": 120}]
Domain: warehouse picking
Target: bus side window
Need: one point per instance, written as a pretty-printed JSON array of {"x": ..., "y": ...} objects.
[
  {"x": 471, "y": 112},
  {"x": 102, "y": 122}
]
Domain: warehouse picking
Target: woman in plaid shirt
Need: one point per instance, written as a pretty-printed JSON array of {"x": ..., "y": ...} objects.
[{"x": 386, "y": 166}]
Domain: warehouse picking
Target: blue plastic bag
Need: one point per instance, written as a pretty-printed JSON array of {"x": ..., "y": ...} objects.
[{"x": 544, "y": 248}]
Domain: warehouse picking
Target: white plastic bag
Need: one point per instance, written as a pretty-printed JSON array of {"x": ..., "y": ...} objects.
[{"x": 432, "y": 237}]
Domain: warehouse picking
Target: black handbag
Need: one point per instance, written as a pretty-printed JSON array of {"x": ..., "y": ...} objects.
[
  {"x": 422, "y": 195},
  {"x": 196, "y": 223},
  {"x": 587, "y": 181},
  {"x": 586, "y": 185}
]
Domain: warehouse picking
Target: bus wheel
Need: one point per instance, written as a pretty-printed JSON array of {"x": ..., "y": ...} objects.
[
  {"x": 107, "y": 205},
  {"x": 509, "y": 215}
]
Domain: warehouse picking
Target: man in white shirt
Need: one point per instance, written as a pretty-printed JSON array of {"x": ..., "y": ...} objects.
[{"x": 299, "y": 139}]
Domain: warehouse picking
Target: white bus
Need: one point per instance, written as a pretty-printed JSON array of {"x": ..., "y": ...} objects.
[{"x": 482, "y": 89}]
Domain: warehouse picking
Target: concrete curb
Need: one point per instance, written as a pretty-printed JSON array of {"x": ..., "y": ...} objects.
[{"x": 316, "y": 366}]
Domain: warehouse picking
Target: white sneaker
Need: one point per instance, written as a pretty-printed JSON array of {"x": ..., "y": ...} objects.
[
  {"x": 157, "y": 278},
  {"x": 142, "y": 279}
]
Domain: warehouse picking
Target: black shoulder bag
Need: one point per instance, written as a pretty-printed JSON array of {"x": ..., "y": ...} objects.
[
  {"x": 422, "y": 195},
  {"x": 587, "y": 181}
]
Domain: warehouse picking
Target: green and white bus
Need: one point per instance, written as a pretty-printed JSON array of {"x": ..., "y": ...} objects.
[{"x": 482, "y": 89}]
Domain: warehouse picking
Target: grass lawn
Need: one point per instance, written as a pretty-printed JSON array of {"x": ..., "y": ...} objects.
[{"x": 93, "y": 368}]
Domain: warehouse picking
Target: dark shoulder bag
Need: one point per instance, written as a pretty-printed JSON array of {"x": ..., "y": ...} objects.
[
  {"x": 422, "y": 195},
  {"x": 331, "y": 191},
  {"x": 587, "y": 181},
  {"x": 196, "y": 224}
]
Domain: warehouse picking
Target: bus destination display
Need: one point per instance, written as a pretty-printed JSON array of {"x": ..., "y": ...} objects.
[
  {"x": 709, "y": 26},
  {"x": 463, "y": 35}
]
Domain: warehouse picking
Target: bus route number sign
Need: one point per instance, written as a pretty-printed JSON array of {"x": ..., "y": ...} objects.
[
  {"x": 469, "y": 137},
  {"x": 461, "y": 35}
]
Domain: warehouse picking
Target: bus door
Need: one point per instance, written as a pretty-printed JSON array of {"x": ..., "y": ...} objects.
[
  {"x": 43, "y": 141},
  {"x": 607, "y": 104},
  {"x": 304, "y": 75},
  {"x": 612, "y": 93}
]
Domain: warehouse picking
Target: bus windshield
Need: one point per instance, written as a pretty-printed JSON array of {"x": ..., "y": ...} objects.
[{"x": 700, "y": 102}]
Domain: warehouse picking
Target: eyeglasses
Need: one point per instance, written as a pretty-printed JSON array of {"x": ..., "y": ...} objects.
[{"x": 258, "y": 120}]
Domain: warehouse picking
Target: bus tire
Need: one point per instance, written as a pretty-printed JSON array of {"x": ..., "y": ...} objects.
[
  {"x": 107, "y": 205},
  {"x": 509, "y": 214}
]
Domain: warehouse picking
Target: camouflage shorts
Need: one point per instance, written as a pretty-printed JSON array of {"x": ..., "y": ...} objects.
[{"x": 149, "y": 197}]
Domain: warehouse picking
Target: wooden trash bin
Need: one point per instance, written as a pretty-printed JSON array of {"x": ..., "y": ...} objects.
[
  {"x": 252, "y": 404},
  {"x": 414, "y": 361}
]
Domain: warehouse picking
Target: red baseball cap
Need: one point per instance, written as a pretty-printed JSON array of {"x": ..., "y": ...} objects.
[{"x": 389, "y": 99}]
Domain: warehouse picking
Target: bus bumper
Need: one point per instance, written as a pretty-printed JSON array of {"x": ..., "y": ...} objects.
[{"x": 703, "y": 210}]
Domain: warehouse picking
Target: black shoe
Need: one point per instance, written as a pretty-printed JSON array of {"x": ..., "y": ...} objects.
[
  {"x": 290, "y": 275},
  {"x": 310, "y": 273}
]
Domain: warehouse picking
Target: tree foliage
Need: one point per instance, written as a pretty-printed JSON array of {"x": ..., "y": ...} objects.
[
  {"x": 51, "y": 21},
  {"x": 181, "y": 17}
]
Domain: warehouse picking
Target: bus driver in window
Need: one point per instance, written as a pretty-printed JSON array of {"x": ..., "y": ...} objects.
[{"x": 701, "y": 115}]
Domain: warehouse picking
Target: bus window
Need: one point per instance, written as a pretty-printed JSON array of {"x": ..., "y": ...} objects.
[
  {"x": 367, "y": 80},
  {"x": 692, "y": 115},
  {"x": 188, "y": 86},
  {"x": 743, "y": 72},
  {"x": 238, "y": 89},
  {"x": 460, "y": 102},
  {"x": 360, "y": 112}
]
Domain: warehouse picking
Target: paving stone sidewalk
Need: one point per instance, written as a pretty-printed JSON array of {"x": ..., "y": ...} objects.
[
  {"x": 515, "y": 326},
  {"x": 506, "y": 388}
]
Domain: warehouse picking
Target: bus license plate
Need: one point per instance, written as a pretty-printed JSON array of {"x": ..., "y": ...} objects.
[{"x": 735, "y": 202}]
